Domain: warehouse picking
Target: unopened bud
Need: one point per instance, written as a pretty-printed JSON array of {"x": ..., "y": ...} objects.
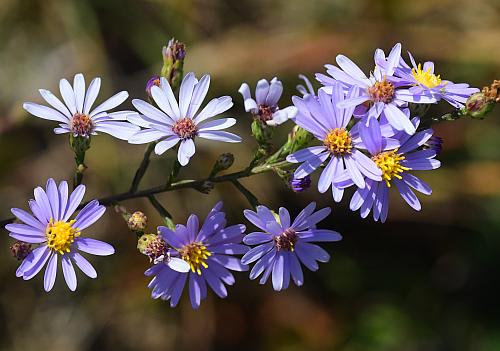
[
  {"x": 154, "y": 80},
  {"x": 300, "y": 184},
  {"x": 478, "y": 105},
  {"x": 223, "y": 162},
  {"x": 173, "y": 62},
  {"x": 137, "y": 221},
  {"x": 262, "y": 132},
  {"x": 153, "y": 246},
  {"x": 20, "y": 250}
]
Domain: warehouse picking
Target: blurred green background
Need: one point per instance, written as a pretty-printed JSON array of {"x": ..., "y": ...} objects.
[{"x": 422, "y": 281}]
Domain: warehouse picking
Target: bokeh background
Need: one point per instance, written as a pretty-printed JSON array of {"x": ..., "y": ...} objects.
[{"x": 424, "y": 280}]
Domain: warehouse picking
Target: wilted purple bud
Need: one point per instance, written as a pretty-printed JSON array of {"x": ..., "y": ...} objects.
[
  {"x": 154, "y": 80},
  {"x": 300, "y": 184},
  {"x": 20, "y": 250},
  {"x": 435, "y": 143}
]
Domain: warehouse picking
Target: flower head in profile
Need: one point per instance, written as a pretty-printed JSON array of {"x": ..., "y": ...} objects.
[
  {"x": 57, "y": 235},
  {"x": 396, "y": 165},
  {"x": 175, "y": 123},
  {"x": 265, "y": 105},
  {"x": 423, "y": 80},
  {"x": 281, "y": 245},
  {"x": 329, "y": 124},
  {"x": 76, "y": 115},
  {"x": 209, "y": 253},
  {"x": 379, "y": 94}
]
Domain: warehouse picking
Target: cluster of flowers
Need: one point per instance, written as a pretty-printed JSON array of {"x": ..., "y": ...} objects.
[{"x": 367, "y": 139}]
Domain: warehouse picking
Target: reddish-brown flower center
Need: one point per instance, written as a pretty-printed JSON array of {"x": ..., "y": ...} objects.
[
  {"x": 185, "y": 128},
  {"x": 265, "y": 113},
  {"x": 382, "y": 92},
  {"x": 81, "y": 124},
  {"x": 286, "y": 240}
]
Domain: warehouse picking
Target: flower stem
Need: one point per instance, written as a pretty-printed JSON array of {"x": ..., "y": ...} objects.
[{"x": 142, "y": 168}]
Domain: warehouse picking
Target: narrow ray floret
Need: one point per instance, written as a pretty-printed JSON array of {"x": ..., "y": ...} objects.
[
  {"x": 76, "y": 115},
  {"x": 330, "y": 125},
  {"x": 57, "y": 235},
  {"x": 396, "y": 165},
  {"x": 380, "y": 94},
  {"x": 209, "y": 253},
  {"x": 424, "y": 80},
  {"x": 265, "y": 105},
  {"x": 282, "y": 245},
  {"x": 181, "y": 122}
]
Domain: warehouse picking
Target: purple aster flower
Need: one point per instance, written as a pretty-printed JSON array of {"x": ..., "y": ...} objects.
[
  {"x": 435, "y": 143},
  {"x": 265, "y": 106},
  {"x": 328, "y": 123},
  {"x": 209, "y": 252},
  {"x": 308, "y": 88},
  {"x": 75, "y": 115},
  {"x": 282, "y": 245},
  {"x": 424, "y": 81},
  {"x": 395, "y": 165},
  {"x": 379, "y": 94},
  {"x": 57, "y": 235},
  {"x": 181, "y": 123}
]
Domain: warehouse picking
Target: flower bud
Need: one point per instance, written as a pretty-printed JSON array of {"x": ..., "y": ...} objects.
[
  {"x": 223, "y": 162},
  {"x": 300, "y": 184},
  {"x": 153, "y": 246},
  {"x": 262, "y": 133},
  {"x": 137, "y": 222},
  {"x": 173, "y": 62},
  {"x": 20, "y": 250},
  {"x": 478, "y": 105},
  {"x": 154, "y": 80}
]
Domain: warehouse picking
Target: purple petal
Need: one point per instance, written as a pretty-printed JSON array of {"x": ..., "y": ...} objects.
[
  {"x": 50, "y": 273},
  {"x": 278, "y": 271},
  {"x": 69, "y": 273},
  {"x": 84, "y": 265},
  {"x": 94, "y": 247}
]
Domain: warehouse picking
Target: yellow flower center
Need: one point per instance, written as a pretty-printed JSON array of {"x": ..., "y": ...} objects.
[
  {"x": 195, "y": 254},
  {"x": 426, "y": 78},
  {"x": 60, "y": 235},
  {"x": 338, "y": 142},
  {"x": 389, "y": 163}
]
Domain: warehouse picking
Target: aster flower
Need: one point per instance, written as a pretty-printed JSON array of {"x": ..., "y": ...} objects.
[
  {"x": 424, "y": 81},
  {"x": 307, "y": 88},
  {"x": 329, "y": 124},
  {"x": 209, "y": 252},
  {"x": 379, "y": 94},
  {"x": 75, "y": 115},
  {"x": 265, "y": 106},
  {"x": 181, "y": 123},
  {"x": 396, "y": 165},
  {"x": 282, "y": 245},
  {"x": 58, "y": 236}
]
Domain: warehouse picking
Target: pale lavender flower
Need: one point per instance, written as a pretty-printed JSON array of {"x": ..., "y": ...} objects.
[
  {"x": 265, "y": 105},
  {"x": 181, "y": 123},
  {"x": 282, "y": 245},
  {"x": 306, "y": 89},
  {"x": 58, "y": 236},
  {"x": 209, "y": 252},
  {"x": 379, "y": 94},
  {"x": 424, "y": 80},
  {"x": 396, "y": 165},
  {"x": 75, "y": 115},
  {"x": 329, "y": 124}
]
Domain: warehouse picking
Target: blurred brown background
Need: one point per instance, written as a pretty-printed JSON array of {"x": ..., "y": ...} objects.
[{"x": 423, "y": 281}]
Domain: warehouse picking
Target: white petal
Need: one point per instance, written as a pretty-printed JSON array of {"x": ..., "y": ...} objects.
[
  {"x": 110, "y": 103},
  {"x": 68, "y": 95},
  {"x": 44, "y": 112},
  {"x": 92, "y": 93},
  {"x": 79, "y": 88}
]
